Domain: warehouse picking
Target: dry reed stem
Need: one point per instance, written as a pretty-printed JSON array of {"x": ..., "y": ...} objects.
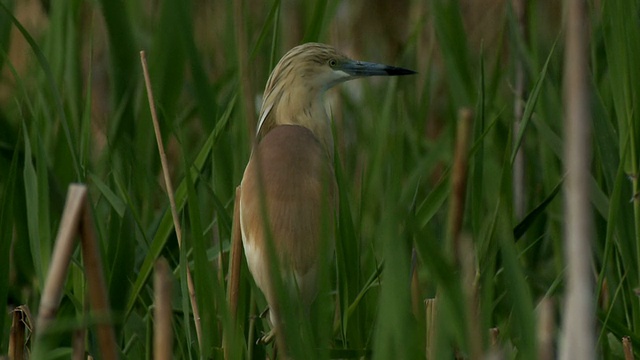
[
  {"x": 494, "y": 352},
  {"x": 77, "y": 345},
  {"x": 77, "y": 219},
  {"x": 578, "y": 341},
  {"x": 162, "y": 334},
  {"x": 20, "y": 324},
  {"x": 169, "y": 188},
  {"x": 61, "y": 257},
  {"x": 459, "y": 181},
  {"x": 470, "y": 288},
  {"x": 494, "y": 334},
  {"x": 92, "y": 262},
  {"x": 546, "y": 329},
  {"x": 430, "y": 306},
  {"x": 627, "y": 347},
  {"x": 456, "y": 207}
]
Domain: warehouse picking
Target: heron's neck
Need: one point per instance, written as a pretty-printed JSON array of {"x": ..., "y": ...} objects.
[
  {"x": 307, "y": 111},
  {"x": 314, "y": 117}
]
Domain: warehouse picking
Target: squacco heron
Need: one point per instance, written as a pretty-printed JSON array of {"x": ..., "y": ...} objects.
[{"x": 288, "y": 191}]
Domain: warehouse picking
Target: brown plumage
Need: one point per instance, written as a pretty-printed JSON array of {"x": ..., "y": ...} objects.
[
  {"x": 288, "y": 191},
  {"x": 297, "y": 182}
]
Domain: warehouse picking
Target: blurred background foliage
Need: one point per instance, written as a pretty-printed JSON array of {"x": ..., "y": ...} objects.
[{"x": 73, "y": 109}]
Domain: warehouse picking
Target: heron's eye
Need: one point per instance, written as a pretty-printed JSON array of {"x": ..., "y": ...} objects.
[{"x": 333, "y": 63}]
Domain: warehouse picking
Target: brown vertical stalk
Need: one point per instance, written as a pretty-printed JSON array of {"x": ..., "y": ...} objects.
[
  {"x": 546, "y": 329},
  {"x": 628, "y": 348},
  {"x": 468, "y": 264},
  {"x": 519, "y": 9},
  {"x": 494, "y": 334},
  {"x": 578, "y": 323},
  {"x": 458, "y": 189},
  {"x": 169, "y": 187},
  {"x": 162, "y": 334},
  {"x": 95, "y": 280},
  {"x": 459, "y": 181},
  {"x": 77, "y": 343},
  {"x": 20, "y": 323},
  {"x": 494, "y": 352}
]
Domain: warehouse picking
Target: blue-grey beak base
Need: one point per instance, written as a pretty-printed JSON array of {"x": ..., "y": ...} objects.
[{"x": 361, "y": 68}]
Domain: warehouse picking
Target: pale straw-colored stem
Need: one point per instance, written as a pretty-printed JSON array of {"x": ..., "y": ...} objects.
[
  {"x": 578, "y": 340},
  {"x": 430, "y": 320},
  {"x": 77, "y": 219},
  {"x": 162, "y": 334},
  {"x": 169, "y": 188},
  {"x": 61, "y": 257},
  {"x": 546, "y": 329}
]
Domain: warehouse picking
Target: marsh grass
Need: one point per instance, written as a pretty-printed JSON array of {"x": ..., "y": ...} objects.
[{"x": 73, "y": 109}]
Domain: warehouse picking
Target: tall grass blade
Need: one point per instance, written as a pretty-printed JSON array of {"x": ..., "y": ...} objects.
[
  {"x": 531, "y": 104},
  {"x": 528, "y": 220},
  {"x": 44, "y": 64},
  {"x": 32, "y": 201},
  {"x": 312, "y": 33},
  {"x": 201, "y": 272},
  {"x": 453, "y": 44},
  {"x": 166, "y": 223}
]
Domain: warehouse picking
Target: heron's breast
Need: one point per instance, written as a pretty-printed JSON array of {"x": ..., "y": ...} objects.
[{"x": 291, "y": 171}]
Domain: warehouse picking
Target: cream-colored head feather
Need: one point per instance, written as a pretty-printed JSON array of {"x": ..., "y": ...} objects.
[{"x": 293, "y": 95}]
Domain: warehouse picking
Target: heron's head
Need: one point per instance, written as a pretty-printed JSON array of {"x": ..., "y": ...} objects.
[
  {"x": 304, "y": 73},
  {"x": 320, "y": 67}
]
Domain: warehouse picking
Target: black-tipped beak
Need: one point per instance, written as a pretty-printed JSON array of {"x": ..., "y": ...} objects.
[{"x": 361, "y": 68}]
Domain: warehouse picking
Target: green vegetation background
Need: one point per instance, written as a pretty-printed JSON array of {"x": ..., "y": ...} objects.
[{"x": 73, "y": 109}]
